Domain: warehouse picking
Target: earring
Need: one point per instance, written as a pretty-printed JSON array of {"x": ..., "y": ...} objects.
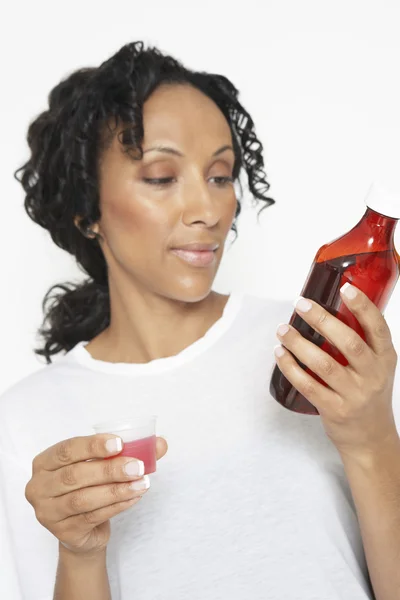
[{"x": 89, "y": 233}]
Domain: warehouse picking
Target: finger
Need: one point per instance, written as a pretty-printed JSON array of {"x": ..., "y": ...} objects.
[
  {"x": 316, "y": 393},
  {"x": 93, "y": 498},
  {"x": 161, "y": 447},
  {"x": 95, "y": 472},
  {"x": 85, "y": 522},
  {"x": 377, "y": 332},
  {"x": 320, "y": 363},
  {"x": 77, "y": 449},
  {"x": 357, "y": 353}
]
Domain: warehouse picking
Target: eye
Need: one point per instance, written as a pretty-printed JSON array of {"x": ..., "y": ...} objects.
[
  {"x": 158, "y": 181},
  {"x": 220, "y": 181}
]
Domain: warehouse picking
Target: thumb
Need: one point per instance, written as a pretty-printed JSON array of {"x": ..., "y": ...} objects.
[{"x": 161, "y": 447}]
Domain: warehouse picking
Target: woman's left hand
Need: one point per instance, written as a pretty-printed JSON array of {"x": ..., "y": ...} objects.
[{"x": 356, "y": 408}]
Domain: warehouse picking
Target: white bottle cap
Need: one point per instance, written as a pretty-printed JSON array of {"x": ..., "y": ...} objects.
[{"x": 383, "y": 201}]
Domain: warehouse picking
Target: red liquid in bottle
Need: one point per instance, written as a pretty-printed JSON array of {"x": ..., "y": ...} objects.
[
  {"x": 144, "y": 450},
  {"x": 364, "y": 257}
]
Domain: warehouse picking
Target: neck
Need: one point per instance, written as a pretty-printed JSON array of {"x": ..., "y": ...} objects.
[
  {"x": 380, "y": 227},
  {"x": 146, "y": 326}
]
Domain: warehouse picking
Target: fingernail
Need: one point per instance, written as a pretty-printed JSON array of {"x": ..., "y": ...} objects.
[
  {"x": 135, "y": 468},
  {"x": 279, "y": 351},
  {"x": 141, "y": 484},
  {"x": 349, "y": 291},
  {"x": 114, "y": 445},
  {"x": 302, "y": 304},
  {"x": 282, "y": 329}
]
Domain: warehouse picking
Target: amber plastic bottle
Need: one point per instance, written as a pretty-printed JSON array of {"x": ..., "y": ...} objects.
[{"x": 366, "y": 258}]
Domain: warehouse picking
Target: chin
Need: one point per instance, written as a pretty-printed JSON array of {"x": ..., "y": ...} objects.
[{"x": 195, "y": 293}]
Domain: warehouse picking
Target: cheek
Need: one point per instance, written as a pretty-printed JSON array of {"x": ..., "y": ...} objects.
[{"x": 132, "y": 224}]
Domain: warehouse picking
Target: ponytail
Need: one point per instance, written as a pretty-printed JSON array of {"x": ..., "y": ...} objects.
[{"x": 74, "y": 313}]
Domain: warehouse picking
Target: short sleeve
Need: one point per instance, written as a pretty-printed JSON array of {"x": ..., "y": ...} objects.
[{"x": 28, "y": 551}]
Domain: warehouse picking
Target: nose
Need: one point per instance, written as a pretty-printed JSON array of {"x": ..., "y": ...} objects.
[{"x": 200, "y": 205}]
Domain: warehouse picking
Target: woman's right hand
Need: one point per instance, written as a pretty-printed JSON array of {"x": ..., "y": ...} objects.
[{"x": 75, "y": 492}]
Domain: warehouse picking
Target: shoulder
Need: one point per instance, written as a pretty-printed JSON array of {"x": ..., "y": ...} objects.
[
  {"x": 25, "y": 405},
  {"x": 29, "y": 384},
  {"x": 41, "y": 380}
]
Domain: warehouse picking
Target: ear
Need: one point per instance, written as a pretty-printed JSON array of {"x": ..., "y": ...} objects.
[{"x": 91, "y": 232}]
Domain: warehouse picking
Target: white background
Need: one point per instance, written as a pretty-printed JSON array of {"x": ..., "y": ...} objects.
[{"x": 320, "y": 79}]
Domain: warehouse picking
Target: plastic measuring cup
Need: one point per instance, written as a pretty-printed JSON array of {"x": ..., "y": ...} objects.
[{"x": 138, "y": 435}]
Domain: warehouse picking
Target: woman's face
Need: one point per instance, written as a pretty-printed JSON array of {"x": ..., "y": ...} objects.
[{"x": 142, "y": 222}]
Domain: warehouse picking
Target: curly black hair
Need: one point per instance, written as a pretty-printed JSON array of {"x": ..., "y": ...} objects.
[{"x": 60, "y": 179}]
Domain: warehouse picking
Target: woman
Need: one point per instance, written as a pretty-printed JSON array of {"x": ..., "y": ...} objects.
[{"x": 251, "y": 500}]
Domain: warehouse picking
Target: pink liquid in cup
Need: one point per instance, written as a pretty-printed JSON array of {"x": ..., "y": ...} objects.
[
  {"x": 138, "y": 435},
  {"x": 143, "y": 449}
]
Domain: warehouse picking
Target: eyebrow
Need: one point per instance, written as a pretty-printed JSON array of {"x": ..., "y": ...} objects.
[{"x": 169, "y": 150}]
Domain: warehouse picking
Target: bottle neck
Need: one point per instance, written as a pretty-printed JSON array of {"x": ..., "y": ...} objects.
[{"x": 379, "y": 227}]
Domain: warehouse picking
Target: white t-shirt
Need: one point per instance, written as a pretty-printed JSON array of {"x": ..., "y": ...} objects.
[{"x": 251, "y": 500}]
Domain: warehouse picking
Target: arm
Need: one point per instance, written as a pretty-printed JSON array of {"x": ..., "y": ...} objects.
[
  {"x": 375, "y": 486},
  {"x": 81, "y": 577},
  {"x": 356, "y": 409}
]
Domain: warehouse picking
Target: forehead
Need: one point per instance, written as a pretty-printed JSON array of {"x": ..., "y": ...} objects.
[
  {"x": 183, "y": 116},
  {"x": 177, "y": 108}
]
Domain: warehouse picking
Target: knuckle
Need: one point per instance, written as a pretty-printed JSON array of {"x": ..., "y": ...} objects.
[
  {"x": 116, "y": 491},
  {"x": 347, "y": 413},
  {"x": 341, "y": 416},
  {"x": 381, "y": 329},
  {"x": 77, "y": 501},
  {"x": 63, "y": 529},
  {"x": 33, "y": 490},
  {"x": 307, "y": 389},
  {"x": 29, "y": 492},
  {"x": 68, "y": 475},
  {"x": 94, "y": 446},
  {"x": 379, "y": 382},
  {"x": 90, "y": 517},
  {"x": 36, "y": 463},
  {"x": 64, "y": 451},
  {"x": 108, "y": 469},
  {"x": 323, "y": 315},
  {"x": 40, "y": 515},
  {"x": 355, "y": 346},
  {"x": 326, "y": 366},
  {"x": 360, "y": 385}
]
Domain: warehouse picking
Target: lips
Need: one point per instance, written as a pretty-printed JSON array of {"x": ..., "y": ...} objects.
[
  {"x": 197, "y": 258},
  {"x": 198, "y": 247}
]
